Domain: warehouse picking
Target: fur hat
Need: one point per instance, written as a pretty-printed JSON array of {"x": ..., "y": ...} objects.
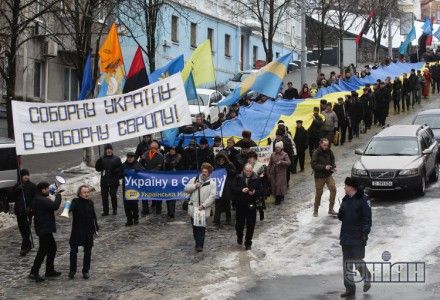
[{"x": 279, "y": 144}]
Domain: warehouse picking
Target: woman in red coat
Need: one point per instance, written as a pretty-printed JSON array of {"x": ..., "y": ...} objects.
[
  {"x": 305, "y": 92},
  {"x": 427, "y": 86}
]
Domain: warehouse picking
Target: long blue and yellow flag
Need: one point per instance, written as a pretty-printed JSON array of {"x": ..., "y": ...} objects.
[{"x": 266, "y": 81}]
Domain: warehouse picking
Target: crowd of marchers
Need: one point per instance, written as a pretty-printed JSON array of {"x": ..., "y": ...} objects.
[{"x": 248, "y": 183}]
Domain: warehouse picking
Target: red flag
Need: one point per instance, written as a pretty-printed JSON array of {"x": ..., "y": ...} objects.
[
  {"x": 365, "y": 28},
  {"x": 137, "y": 76}
]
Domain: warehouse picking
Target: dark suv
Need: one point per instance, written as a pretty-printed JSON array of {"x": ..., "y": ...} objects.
[
  {"x": 400, "y": 157},
  {"x": 8, "y": 170}
]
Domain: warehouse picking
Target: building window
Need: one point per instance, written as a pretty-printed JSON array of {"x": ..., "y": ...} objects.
[
  {"x": 70, "y": 84},
  {"x": 277, "y": 54},
  {"x": 37, "y": 79},
  {"x": 175, "y": 29},
  {"x": 193, "y": 35},
  {"x": 211, "y": 37},
  {"x": 254, "y": 55},
  {"x": 227, "y": 45}
]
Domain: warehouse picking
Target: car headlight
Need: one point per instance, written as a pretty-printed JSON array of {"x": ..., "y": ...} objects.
[
  {"x": 409, "y": 172},
  {"x": 359, "y": 172}
]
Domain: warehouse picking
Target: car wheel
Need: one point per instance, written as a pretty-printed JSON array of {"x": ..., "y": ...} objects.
[
  {"x": 422, "y": 187},
  {"x": 434, "y": 176}
]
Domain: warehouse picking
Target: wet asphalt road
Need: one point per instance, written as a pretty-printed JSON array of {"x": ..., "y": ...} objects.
[{"x": 156, "y": 260}]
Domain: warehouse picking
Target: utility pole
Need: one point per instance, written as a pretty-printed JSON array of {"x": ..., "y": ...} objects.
[
  {"x": 303, "y": 45},
  {"x": 390, "y": 38}
]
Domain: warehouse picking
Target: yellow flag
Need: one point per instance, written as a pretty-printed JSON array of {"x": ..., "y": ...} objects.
[
  {"x": 110, "y": 52},
  {"x": 200, "y": 64}
]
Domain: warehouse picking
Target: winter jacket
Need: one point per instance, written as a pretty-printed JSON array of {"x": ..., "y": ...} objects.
[
  {"x": 320, "y": 159},
  {"x": 330, "y": 121},
  {"x": 413, "y": 82},
  {"x": 205, "y": 156},
  {"x": 314, "y": 130},
  {"x": 301, "y": 140},
  {"x": 291, "y": 93},
  {"x": 84, "y": 222},
  {"x": 406, "y": 86},
  {"x": 355, "y": 214},
  {"x": 141, "y": 148},
  {"x": 189, "y": 158},
  {"x": 278, "y": 165},
  {"x": 205, "y": 195},
  {"x": 110, "y": 168},
  {"x": 172, "y": 162},
  {"x": 152, "y": 163},
  {"x": 240, "y": 143},
  {"x": 341, "y": 111},
  {"x": 244, "y": 200},
  {"x": 44, "y": 213},
  {"x": 28, "y": 190}
]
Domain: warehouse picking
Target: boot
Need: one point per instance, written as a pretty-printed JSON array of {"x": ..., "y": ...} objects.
[
  {"x": 348, "y": 294},
  {"x": 315, "y": 211},
  {"x": 36, "y": 277},
  {"x": 332, "y": 212},
  {"x": 52, "y": 274}
]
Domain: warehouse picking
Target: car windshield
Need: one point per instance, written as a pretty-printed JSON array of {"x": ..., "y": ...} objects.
[
  {"x": 432, "y": 121},
  {"x": 202, "y": 100},
  {"x": 393, "y": 146}
]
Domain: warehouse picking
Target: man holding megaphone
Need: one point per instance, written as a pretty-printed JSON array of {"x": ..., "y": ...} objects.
[{"x": 44, "y": 219}]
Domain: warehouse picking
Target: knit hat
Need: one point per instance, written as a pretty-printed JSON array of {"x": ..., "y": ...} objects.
[
  {"x": 350, "y": 181},
  {"x": 131, "y": 154},
  {"x": 279, "y": 144},
  {"x": 108, "y": 146},
  {"x": 203, "y": 141},
  {"x": 24, "y": 172}
]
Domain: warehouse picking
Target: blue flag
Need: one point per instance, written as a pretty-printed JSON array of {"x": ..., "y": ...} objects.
[
  {"x": 409, "y": 38},
  {"x": 427, "y": 26},
  {"x": 437, "y": 34},
  {"x": 87, "y": 81},
  {"x": 173, "y": 67}
]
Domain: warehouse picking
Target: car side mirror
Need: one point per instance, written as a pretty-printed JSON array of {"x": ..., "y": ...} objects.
[
  {"x": 358, "y": 151},
  {"x": 427, "y": 151}
]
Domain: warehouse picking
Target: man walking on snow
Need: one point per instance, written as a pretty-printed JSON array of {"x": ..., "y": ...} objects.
[{"x": 355, "y": 214}]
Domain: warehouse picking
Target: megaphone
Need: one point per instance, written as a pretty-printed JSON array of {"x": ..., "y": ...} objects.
[
  {"x": 59, "y": 180},
  {"x": 66, "y": 209}
]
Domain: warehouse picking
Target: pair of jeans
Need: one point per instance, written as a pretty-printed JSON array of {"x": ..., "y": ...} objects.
[
  {"x": 199, "y": 234},
  {"x": 74, "y": 257},
  {"x": 24, "y": 225},
  {"x": 47, "y": 248},
  {"x": 319, "y": 185},
  {"x": 245, "y": 217},
  {"x": 105, "y": 192}
]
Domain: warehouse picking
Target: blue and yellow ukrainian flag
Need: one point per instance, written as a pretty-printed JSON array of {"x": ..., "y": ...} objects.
[{"x": 266, "y": 81}]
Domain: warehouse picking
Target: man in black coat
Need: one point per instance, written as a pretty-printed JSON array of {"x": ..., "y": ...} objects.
[
  {"x": 247, "y": 187},
  {"x": 314, "y": 131},
  {"x": 131, "y": 207},
  {"x": 152, "y": 160},
  {"x": 189, "y": 156},
  {"x": 341, "y": 111},
  {"x": 413, "y": 86},
  {"x": 406, "y": 93},
  {"x": 110, "y": 167},
  {"x": 143, "y": 146},
  {"x": 44, "y": 221},
  {"x": 367, "y": 100},
  {"x": 290, "y": 92},
  {"x": 302, "y": 143},
  {"x": 205, "y": 153},
  {"x": 356, "y": 113},
  {"x": 22, "y": 194},
  {"x": 84, "y": 227},
  {"x": 224, "y": 203},
  {"x": 380, "y": 95},
  {"x": 355, "y": 214},
  {"x": 232, "y": 151}
]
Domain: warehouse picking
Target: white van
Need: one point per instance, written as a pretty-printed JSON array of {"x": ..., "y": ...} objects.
[{"x": 8, "y": 170}]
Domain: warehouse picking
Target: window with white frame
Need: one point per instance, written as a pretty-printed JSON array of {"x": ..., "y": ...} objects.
[{"x": 70, "y": 84}]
